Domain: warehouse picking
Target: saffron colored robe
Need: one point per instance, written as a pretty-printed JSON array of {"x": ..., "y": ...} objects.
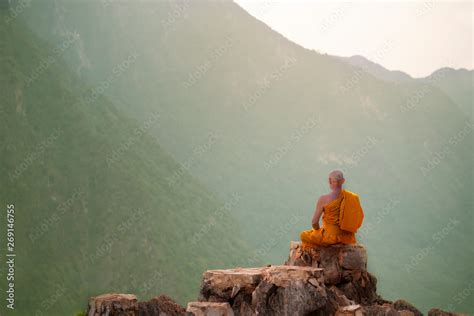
[{"x": 329, "y": 233}]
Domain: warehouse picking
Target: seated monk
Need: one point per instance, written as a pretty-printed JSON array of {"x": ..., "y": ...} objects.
[{"x": 331, "y": 204}]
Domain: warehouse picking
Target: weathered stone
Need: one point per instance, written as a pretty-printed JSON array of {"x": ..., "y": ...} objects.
[
  {"x": 209, "y": 309},
  {"x": 363, "y": 290},
  {"x": 224, "y": 285},
  {"x": 273, "y": 290},
  {"x": 340, "y": 262},
  {"x": 289, "y": 290},
  {"x": 161, "y": 305},
  {"x": 113, "y": 304},
  {"x": 351, "y": 275},
  {"x": 335, "y": 300},
  {"x": 402, "y": 305},
  {"x": 285, "y": 275},
  {"x": 341, "y": 299},
  {"x": 352, "y": 257},
  {"x": 350, "y": 310},
  {"x": 321, "y": 281},
  {"x": 439, "y": 312},
  {"x": 385, "y": 309}
]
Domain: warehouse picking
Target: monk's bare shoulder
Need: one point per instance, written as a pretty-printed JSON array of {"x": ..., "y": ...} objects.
[{"x": 324, "y": 199}]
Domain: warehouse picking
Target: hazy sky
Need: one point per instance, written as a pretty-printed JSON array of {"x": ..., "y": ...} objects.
[{"x": 416, "y": 37}]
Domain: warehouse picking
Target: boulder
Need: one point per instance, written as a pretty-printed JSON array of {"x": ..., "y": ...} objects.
[
  {"x": 350, "y": 288},
  {"x": 335, "y": 300},
  {"x": 362, "y": 290},
  {"x": 224, "y": 285},
  {"x": 385, "y": 309},
  {"x": 340, "y": 262},
  {"x": 113, "y": 304},
  {"x": 344, "y": 266},
  {"x": 273, "y": 290},
  {"x": 350, "y": 310},
  {"x": 161, "y": 305},
  {"x": 208, "y": 309},
  {"x": 402, "y": 305},
  {"x": 439, "y": 312}
]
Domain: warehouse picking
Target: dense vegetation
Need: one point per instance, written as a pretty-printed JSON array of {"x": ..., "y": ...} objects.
[{"x": 95, "y": 209}]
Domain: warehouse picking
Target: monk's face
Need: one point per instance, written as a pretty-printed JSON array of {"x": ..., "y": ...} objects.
[{"x": 334, "y": 183}]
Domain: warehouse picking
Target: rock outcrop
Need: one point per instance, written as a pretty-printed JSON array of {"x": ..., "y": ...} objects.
[
  {"x": 128, "y": 305},
  {"x": 273, "y": 290},
  {"x": 209, "y": 308},
  {"x": 439, "y": 312},
  {"x": 160, "y": 305},
  {"x": 113, "y": 304},
  {"x": 351, "y": 289},
  {"x": 319, "y": 281}
]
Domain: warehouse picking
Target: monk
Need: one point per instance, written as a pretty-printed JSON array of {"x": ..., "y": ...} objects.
[{"x": 330, "y": 204}]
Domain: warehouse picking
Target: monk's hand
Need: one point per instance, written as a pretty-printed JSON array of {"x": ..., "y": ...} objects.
[{"x": 316, "y": 226}]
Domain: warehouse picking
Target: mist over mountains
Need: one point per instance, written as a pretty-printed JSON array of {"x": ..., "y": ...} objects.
[{"x": 222, "y": 132}]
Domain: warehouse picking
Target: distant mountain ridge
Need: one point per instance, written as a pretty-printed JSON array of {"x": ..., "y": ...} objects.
[
  {"x": 458, "y": 84},
  {"x": 377, "y": 70}
]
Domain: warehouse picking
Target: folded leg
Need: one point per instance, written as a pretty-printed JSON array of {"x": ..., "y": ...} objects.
[{"x": 311, "y": 238}]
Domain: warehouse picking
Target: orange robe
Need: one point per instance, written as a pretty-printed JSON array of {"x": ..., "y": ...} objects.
[{"x": 329, "y": 233}]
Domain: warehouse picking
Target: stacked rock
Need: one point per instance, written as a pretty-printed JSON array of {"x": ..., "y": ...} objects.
[
  {"x": 351, "y": 289},
  {"x": 272, "y": 290},
  {"x": 320, "y": 281}
]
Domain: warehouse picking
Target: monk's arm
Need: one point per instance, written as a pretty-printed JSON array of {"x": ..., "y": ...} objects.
[{"x": 317, "y": 214}]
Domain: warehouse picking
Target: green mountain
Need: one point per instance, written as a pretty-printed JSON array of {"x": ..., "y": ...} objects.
[
  {"x": 94, "y": 208},
  {"x": 377, "y": 70},
  {"x": 457, "y": 84},
  {"x": 248, "y": 112}
]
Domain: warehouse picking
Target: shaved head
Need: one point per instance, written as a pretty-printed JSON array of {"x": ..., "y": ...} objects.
[
  {"x": 336, "y": 180},
  {"x": 336, "y": 175}
]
